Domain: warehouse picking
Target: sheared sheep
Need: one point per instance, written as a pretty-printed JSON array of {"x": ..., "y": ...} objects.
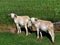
[
  {"x": 21, "y": 21},
  {"x": 46, "y": 26}
]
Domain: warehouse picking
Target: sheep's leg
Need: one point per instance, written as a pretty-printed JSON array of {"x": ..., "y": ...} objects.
[
  {"x": 26, "y": 30},
  {"x": 51, "y": 32},
  {"x": 37, "y": 33},
  {"x": 41, "y": 34},
  {"x": 18, "y": 28}
]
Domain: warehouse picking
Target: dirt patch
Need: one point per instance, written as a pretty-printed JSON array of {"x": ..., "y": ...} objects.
[
  {"x": 12, "y": 29},
  {"x": 4, "y": 28}
]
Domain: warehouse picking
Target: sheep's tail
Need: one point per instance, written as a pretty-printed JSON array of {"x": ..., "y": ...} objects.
[{"x": 56, "y": 23}]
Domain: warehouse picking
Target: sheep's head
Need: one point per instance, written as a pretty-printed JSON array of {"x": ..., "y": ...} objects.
[
  {"x": 33, "y": 19},
  {"x": 12, "y": 15}
]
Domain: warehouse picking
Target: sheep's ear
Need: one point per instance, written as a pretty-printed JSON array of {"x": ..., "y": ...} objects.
[
  {"x": 15, "y": 15},
  {"x": 36, "y": 19}
]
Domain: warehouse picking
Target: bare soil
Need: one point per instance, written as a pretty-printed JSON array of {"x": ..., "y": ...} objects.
[{"x": 12, "y": 29}]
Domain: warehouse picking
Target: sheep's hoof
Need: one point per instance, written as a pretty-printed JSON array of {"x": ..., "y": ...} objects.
[
  {"x": 41, "y": 37},
  {"x": 18, "y": 33},
  {"x": 53, "y": 43},
  {"x": 26, "y": 35},
  {"x": 29, "y": 33},
  {"x": 37, "y": 37}
]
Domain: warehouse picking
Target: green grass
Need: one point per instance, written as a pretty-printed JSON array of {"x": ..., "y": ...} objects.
[
  {"x": 7, "y": 38},
  {"x": 43, "y": 9}
]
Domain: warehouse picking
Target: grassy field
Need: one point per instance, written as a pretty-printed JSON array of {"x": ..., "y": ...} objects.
[
  {"x": 43, "y": 9},
  {"x": 15, "y": 39}
]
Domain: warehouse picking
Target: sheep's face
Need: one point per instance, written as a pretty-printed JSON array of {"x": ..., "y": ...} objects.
[
  {"x": 33, "y": 19},
  {"x": 12, "y": 15}
]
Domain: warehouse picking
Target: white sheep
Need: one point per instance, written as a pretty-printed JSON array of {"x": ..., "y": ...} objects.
[
  {"x": 21, "y": 21},
  {"x": 46, "y": 26}
]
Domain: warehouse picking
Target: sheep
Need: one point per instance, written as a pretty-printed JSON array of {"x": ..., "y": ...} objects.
[
  {"x": 46, "y": 26},
  {"x": 21, "y": 21}
]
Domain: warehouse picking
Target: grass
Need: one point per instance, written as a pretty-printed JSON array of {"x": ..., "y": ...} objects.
[
  {"x": 43, "y": 9},
  {"x": 7, "y": 38}
]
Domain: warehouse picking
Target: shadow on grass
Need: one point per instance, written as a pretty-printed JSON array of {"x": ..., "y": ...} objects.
[
  {"x": 47, "y": 35},
  {"x": 43, "y": 33}
]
